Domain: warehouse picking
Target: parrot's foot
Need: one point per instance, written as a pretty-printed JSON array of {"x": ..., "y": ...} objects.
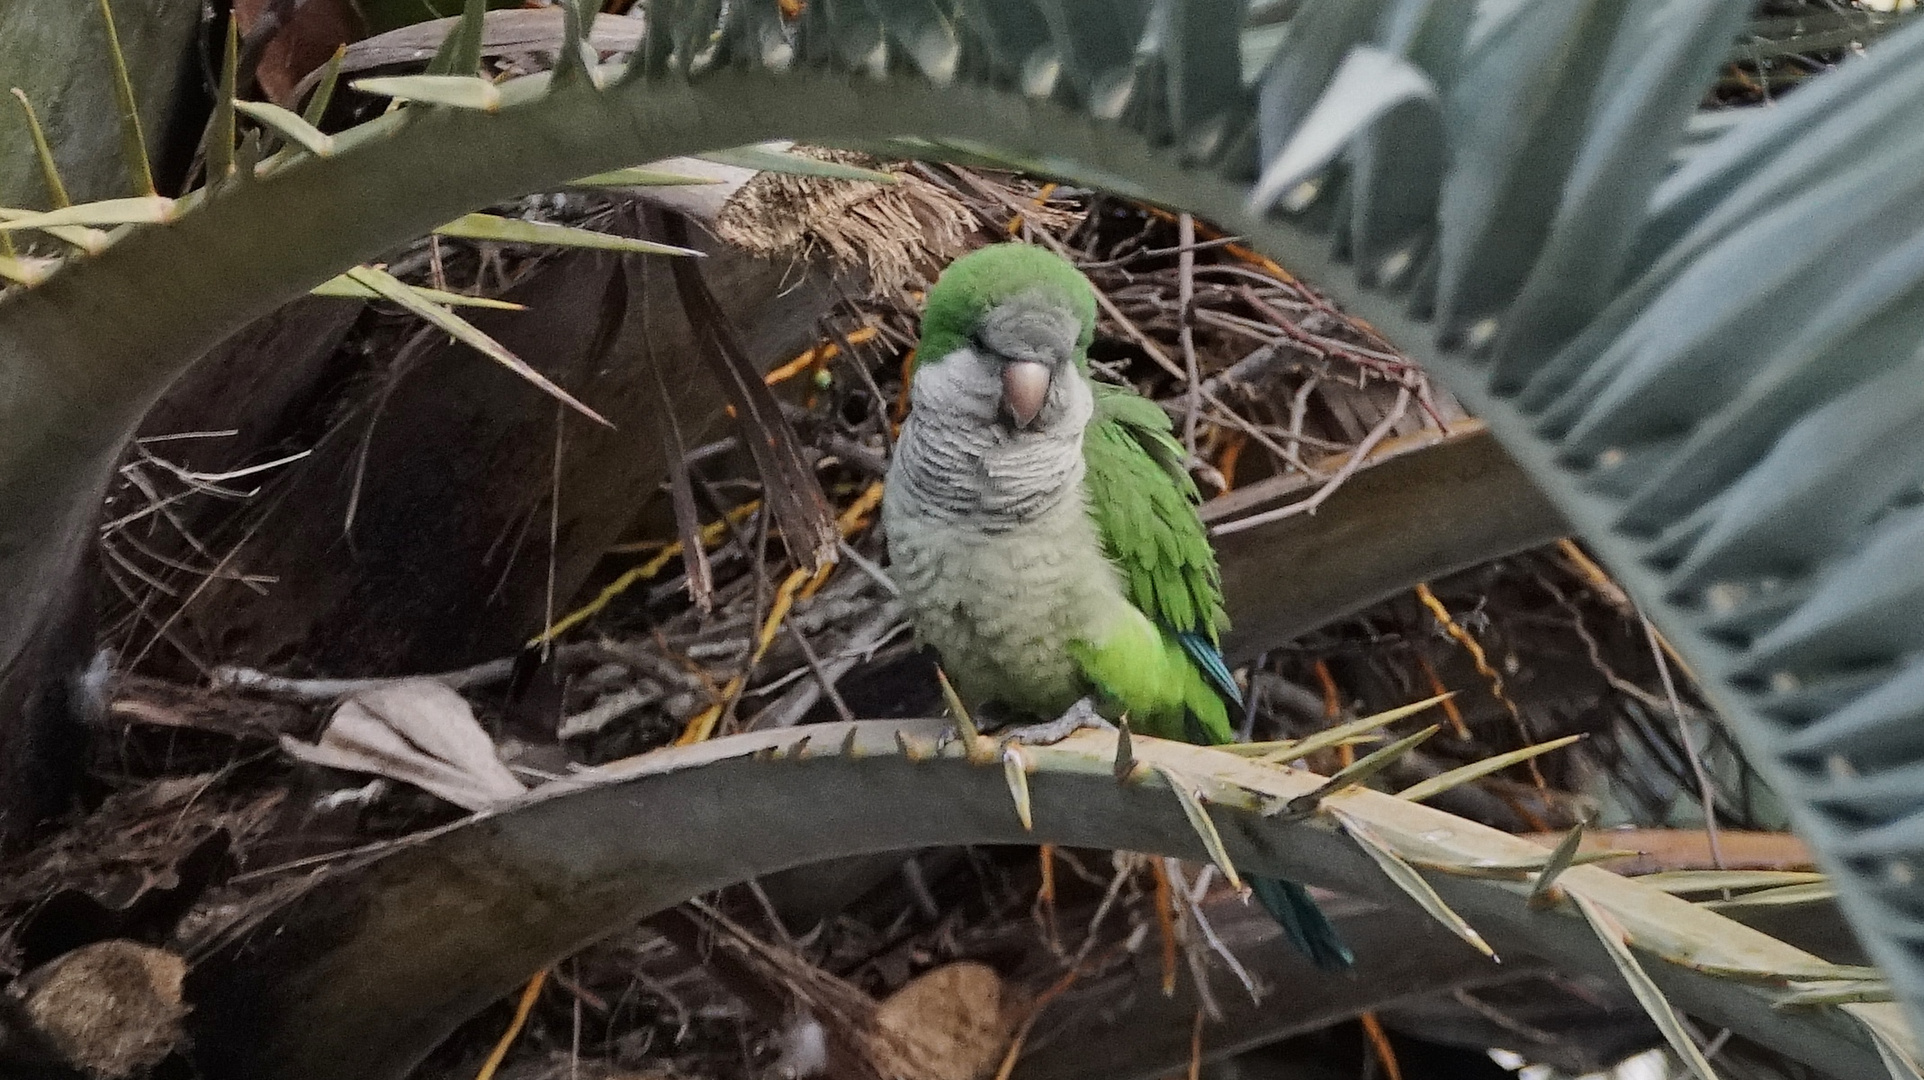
[{"x": 1080, "y": 715}]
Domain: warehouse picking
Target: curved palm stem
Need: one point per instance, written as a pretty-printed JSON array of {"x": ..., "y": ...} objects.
[{"x": 384, "y": 954}]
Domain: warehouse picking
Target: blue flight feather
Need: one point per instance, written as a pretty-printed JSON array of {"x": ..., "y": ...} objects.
[
  {"x": 1303, "y": 923},
  {"x": 1214, "y": 668}
]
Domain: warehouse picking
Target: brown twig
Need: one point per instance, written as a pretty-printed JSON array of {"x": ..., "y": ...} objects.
[
  {"x": 1706, "y": 791},
  {"x": 529, "y": 994},
  {"x": 1186, "y": 328},
  {"x": 1355, "y": 461}
]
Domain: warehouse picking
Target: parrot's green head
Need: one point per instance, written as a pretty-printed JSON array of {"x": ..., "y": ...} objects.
[{"x": 1009, "y": 327}]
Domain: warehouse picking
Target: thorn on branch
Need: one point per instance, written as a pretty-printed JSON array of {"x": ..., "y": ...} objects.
[
  {"x": 964, "y": 723},
  {"x": 1198, "y": 815},
  {"x": 1016, "y": 771},
  {"x": 1364, "y": 768},
  {"x": 1545, "y": 891}
]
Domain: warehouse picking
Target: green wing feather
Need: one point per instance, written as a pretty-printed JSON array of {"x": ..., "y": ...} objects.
[{"x": 1144, "y": 505}]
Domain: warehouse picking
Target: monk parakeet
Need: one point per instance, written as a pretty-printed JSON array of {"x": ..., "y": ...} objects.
[{"x": 1043, "y": 532}]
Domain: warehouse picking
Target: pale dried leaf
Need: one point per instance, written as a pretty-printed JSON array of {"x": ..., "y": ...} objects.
[
  {"x": 393, "y": 289},
  {"x": 1198, "y": 815},
  {"x": 1678, "y": 882},
  {"x": 1610, "y": 932},
  {"x": 419, "y": 732},
  {"x": 1410, "y": 881},
  {"x": 1898, "y": 1055},
  {"x": 344, "y": 286}
]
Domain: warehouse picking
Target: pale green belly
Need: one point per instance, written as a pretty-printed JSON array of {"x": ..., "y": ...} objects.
[{"x": 1001, "y": 609}]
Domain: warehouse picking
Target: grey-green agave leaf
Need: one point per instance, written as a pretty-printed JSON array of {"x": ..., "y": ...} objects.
[
  {"x": 1367, "y": 85},
  {"x": 1515, "y": 116},
  {"x": 1864, "y": 329},
  {"x": 1865, "y": 609},
  {"x": 1653, "y": 78},
  {"x": 1314, "y": 44},
  {"x": 927, "y": 33},
  {"x": 1801, "y": 139},
  {"x": 460, "y": 51},
  {"x": 1097, "y": 41},
  {"x": 1202, "y": 62},
  {"x": 1879, "y": 723},
  {"x": 1830, "y": 474},
  {"x": 1396, "y": 167}
]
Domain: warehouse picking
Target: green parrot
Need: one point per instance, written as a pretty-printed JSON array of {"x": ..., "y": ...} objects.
[{"x": 1043, "y": 532}]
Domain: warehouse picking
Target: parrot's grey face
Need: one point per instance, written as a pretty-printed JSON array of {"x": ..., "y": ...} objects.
[
  {"x": 995, "y": 433},
  {"x": 1019, "y": 371},
  {"x": 1033, "y": 338}
]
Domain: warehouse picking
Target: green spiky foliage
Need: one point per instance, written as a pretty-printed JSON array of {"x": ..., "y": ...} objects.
[
  {"x": 1144, "y": 505},
  {"x": 1170, "y": 568},
  {"x": 1709, "y": 365}
]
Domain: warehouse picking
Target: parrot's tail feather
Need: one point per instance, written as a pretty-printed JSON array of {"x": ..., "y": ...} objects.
[
  {"x": 1303, "y": 922},
  {"x": 1210, "y": 661}
]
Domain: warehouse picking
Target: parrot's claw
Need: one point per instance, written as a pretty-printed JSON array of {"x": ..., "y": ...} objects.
[{"x": 1080, "y": 715}]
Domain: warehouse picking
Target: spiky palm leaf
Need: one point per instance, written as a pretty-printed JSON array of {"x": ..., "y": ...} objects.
[
  {"x": 1710, "y": 368},
  {"x": 373, "y": 964}
]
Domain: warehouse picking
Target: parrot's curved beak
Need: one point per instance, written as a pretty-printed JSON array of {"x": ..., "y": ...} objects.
[{"x": 1025, "y": 386}]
